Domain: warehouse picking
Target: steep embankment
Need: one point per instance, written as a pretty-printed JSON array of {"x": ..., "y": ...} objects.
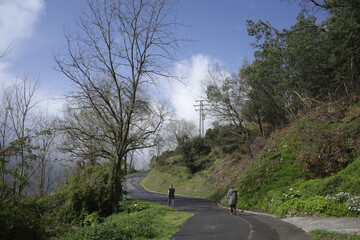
[
  {"x": 309, "y": 168},
  {"x": 212, "y": 183}
]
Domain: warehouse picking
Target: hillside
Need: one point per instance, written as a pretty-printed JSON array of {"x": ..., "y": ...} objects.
[{"x": 311, "y": 167}]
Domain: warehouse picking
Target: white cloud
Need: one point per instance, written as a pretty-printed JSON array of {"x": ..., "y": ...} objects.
[
  {"x": 5, "y": 78},
  {"x": 17, "y": 19},
  {"x": 182, "y": 96},
  {"x": 17, "y": 22}
]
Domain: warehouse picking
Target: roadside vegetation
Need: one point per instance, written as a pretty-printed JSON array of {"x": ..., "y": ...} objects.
[
  {"x": 81, "y": 210},
  {"x": 139, "y": 220},
  {"x": 325, "y": 235}
]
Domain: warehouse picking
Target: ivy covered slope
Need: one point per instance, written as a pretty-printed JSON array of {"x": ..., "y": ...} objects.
[{"x": 311, "y": 167}]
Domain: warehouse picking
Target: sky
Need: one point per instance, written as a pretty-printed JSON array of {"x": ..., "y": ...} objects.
[{"x": 34, "y": 30}]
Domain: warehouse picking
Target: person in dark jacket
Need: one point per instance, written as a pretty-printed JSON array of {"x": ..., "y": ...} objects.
[
  {"x": 171, "y": 196},
  {"x": 232, "y": 198}
]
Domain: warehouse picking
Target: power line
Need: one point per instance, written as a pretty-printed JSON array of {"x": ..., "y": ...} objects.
[{"x": 201, "y": 108}]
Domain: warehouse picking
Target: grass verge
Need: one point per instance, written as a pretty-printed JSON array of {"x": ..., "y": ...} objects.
[
  {"x": 325, "y": 235},
  {"x": 140, "y": 220}
]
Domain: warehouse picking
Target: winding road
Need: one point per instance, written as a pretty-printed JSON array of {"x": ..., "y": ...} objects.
[{"x": 211, "y": 222}]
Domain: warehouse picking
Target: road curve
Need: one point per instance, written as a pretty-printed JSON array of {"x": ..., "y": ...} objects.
[{"x": 212, "y": 223}]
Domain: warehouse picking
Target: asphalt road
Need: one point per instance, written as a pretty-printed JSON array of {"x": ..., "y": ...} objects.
[{"x": 211, "y": 222}]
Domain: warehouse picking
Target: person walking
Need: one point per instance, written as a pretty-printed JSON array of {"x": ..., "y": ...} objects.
[
  {"x": 171, "y": 196},
  {"x": 232, "y": 198}
]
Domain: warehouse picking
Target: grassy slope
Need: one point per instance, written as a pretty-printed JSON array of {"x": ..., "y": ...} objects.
[
  {"x": 316, "y": 156},
  {"x": 212, "y": 183}
]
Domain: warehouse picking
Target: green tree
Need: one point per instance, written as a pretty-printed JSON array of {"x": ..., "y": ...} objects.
[
  {"x": 192, "y": 151},
  {"x": 343, "y": 28}
]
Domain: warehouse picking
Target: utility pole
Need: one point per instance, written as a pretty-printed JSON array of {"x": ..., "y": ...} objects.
[{"x": 200, "y": 107}]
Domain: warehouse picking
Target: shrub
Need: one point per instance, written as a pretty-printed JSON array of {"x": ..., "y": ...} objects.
[
  {"x": 144, "y": 220},
  {"x": 227, "y": 138},
  {"x": 20, "y": 219},
  {"x": 87, "y": 192},
  {"x": 98, "y": 232},
  {"x": 194, "y": 154},
  {"x": 352, "y": 202},
  {"x": 130, "y": 206},
  {"x": 162, "y": 159},
  {"x": 316, "y": 205}
]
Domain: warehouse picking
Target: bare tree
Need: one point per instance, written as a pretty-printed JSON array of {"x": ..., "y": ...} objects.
[
  {"x": 5, "y": 148},
  {"x": 4, "y": 128},
  {"x": 21, "y": 101},
  {"x": 178, "y": 130},
  {"x": 122, "y": 46},
  {"x": 17, "y": 130},
  {"x": 45, "y": 150},
  {"x": 84, "y": 135}
]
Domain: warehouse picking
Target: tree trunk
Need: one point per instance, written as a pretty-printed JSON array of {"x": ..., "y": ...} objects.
[
  {"x": 260, "y": 123},
  {"x": 116, "y": 190}
]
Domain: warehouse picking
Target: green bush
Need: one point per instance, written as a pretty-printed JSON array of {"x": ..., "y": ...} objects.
[
  {"x": 162, "y": 159},
  {"x": 87, "y": 192},
  {"x": 142, "y": 220},
  {"x": 227, "y": 138},
  {"x": 119, "y": 226},
  {"x": 316, "y": 205},
  {"x": 194, "y": 154},
  {"x": 20, "y": 219},
  {"x": 139, "y": 224},
  {"x": 130, "y": 206},
  {"x": 108, "y": 231},
  {"x": 92, "y": 219}
]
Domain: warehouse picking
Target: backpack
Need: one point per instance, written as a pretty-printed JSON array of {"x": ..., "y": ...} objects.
[{"x": 232, "y": 197}]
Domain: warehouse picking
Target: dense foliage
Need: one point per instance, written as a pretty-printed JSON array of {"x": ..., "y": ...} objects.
[
  {"x": 83, "y": 197},
  {"x": 20, "y": 218},
  {"x": 193, "y": 154},
  {"x": 85, "y": 193},
  {"x": 81, "y": 209},
  {"x": 140, "y": 220},
  {"x": 294, "y": 70}
]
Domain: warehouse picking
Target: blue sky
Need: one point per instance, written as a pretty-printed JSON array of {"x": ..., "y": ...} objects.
[{"x": 36, "y": 30}]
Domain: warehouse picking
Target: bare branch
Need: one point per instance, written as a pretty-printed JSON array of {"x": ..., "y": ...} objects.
[
  {"x": 327, "y": 6},
  {"x": 7, "y": 50}
]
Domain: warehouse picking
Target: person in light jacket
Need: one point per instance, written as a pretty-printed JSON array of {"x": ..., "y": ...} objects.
[{"x": 232, "y": 198}]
